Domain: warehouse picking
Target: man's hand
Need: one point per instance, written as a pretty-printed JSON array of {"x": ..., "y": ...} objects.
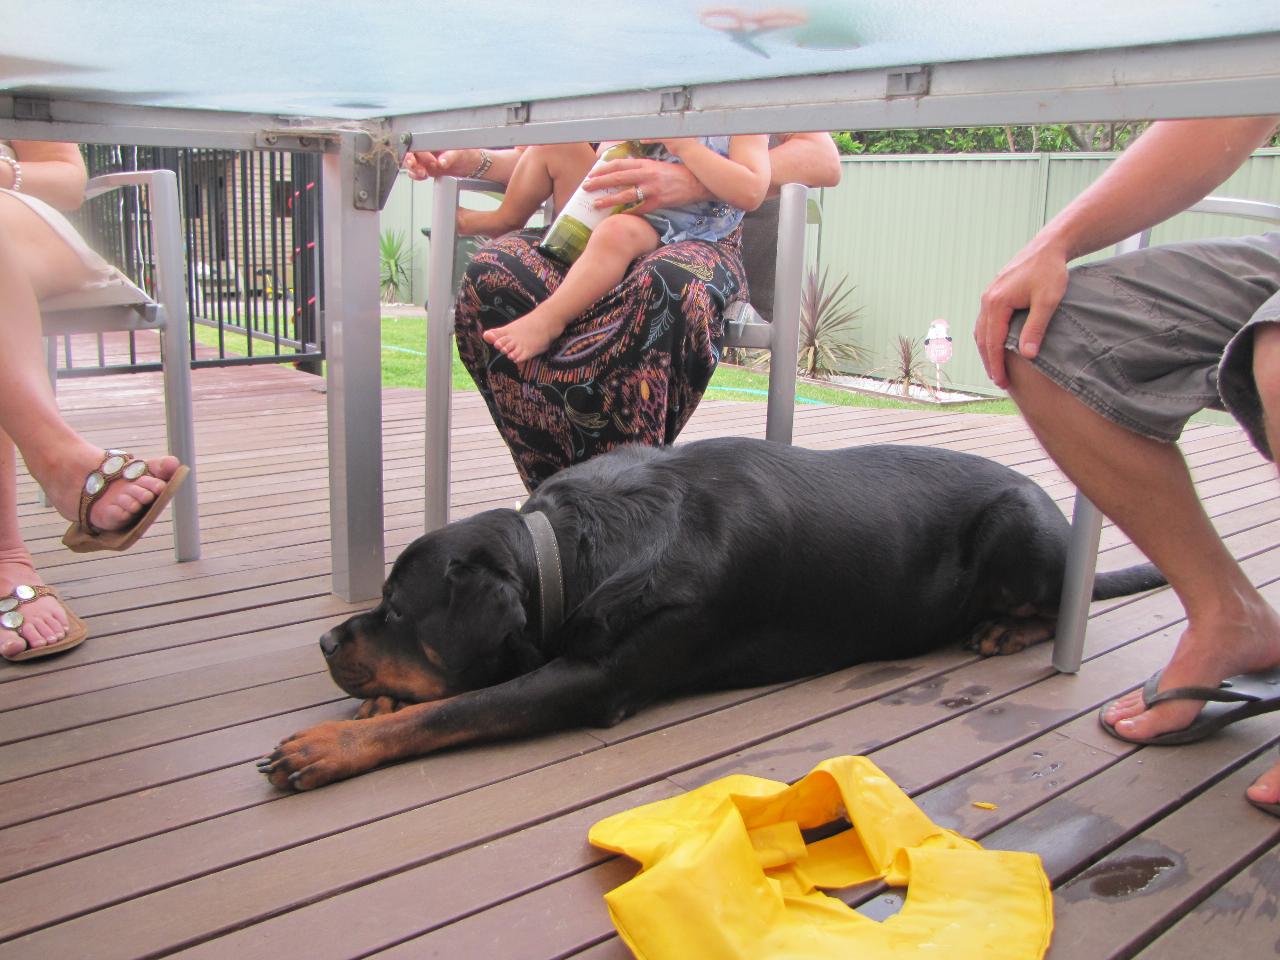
[
  {"x": 1036, "y": 279},
  {"x": 661, "y": 184}
]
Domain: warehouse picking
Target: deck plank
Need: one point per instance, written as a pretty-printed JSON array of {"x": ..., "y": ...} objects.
[{"x": 1242, "y": 913}]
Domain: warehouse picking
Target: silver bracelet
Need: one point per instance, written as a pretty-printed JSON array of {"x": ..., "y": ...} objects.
[
  {"x": 486, "y": 161},
  {"x": 16, "y": 167}
]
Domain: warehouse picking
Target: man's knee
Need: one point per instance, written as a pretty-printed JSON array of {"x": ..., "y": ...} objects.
[
  {"x": 1031, "y": 389},
  {"x": 1024, "y": 378}
]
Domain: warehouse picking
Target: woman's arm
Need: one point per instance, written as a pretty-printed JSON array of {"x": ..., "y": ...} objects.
[
  {"x": 741, "y": 179},
  {"x": 54, "y": 172}
]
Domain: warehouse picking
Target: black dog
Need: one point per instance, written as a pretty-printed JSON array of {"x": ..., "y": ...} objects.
[{"x": 723, "y": 563}]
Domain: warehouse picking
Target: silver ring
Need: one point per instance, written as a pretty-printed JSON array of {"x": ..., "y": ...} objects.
[{"x": 639, "y": 196}]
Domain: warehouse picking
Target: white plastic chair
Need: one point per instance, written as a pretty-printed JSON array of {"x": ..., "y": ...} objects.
[
  {"x": 1086, "y": 519},
  {"x": 119, "y": 304},
  {"x": 743, "y": 328}
]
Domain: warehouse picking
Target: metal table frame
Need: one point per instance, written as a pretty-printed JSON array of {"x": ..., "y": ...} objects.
[{"x": 1211, "y": 77}]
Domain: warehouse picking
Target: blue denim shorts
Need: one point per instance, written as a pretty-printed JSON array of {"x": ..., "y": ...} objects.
[
  {"x": 1149, "y": 338},
  {"x": 706, "y": 220}
]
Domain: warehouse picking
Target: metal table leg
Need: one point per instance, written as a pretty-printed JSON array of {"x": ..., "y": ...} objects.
[
  {"x": 1077, "y": 586},
  {"x": 353, "y": 342}
]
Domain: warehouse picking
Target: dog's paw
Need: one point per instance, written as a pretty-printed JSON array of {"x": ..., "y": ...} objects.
[
  {"x": 377, "y": 707},
  {"x": 325, "y": 753},
  {"x": 998, "y": 638}
]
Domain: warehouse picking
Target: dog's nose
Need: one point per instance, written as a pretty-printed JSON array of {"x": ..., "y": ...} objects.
[{"x": 329, "y": 643}]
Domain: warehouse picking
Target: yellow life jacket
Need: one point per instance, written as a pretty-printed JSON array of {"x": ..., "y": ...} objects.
[{"x": 725, "y": 874}]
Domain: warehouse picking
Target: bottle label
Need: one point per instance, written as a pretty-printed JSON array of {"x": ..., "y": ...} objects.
[{"x": 572, "y": 227}]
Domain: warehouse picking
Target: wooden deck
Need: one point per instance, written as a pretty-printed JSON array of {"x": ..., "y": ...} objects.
[{"x": 135, "y": 824}]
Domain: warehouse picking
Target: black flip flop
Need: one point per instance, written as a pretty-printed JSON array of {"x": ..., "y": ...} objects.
[{"x": 1236, "y": 698}]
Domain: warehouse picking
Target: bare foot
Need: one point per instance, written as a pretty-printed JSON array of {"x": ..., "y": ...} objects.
[
  {"x": 1208, "y": 653},
  {"x": 525, "y": 338},
  {"x": 122, "y": 502},
  {"x": 44, "y": 621},
  {"x": 1266, "y": 789}
]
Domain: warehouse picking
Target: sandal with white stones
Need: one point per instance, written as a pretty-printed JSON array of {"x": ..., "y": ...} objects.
[
  {"x": 84, "y": 537},
  {"x": 12, "y": 619}
]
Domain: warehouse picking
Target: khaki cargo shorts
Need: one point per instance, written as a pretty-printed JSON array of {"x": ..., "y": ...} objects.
[{"x": 1149, "y": 338}]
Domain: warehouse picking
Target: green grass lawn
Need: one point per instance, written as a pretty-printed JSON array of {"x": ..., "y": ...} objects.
[
  {"x": 233, "y": 341},
  {"x": 404, "y": 342},
  {"x": 404, "y": 345}
]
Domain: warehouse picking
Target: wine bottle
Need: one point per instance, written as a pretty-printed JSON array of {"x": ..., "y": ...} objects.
[{"x": 571, "y": 229}]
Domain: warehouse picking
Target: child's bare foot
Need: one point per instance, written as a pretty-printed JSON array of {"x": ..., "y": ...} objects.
[
  {"x": 525, "y": 338},
  {"x": 43, "y": 619}
]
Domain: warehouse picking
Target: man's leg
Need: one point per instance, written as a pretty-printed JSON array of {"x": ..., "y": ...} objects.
[
  {"x": 1144, "y": 486},
  {"x": 1266, "y": 375},
  {"x": 1135, "y": 348}
]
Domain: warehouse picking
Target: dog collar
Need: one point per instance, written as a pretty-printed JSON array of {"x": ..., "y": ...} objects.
[{"x": 550, "y": 573}]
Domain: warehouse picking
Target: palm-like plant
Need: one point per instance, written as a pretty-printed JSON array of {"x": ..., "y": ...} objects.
[
  {"x": 907, "y": 368},
  {"x": 393, "y": 262},
  {"x": 826, "y": 321}
]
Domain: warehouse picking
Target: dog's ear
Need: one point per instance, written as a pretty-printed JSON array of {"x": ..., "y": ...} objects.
[{"x": 485, "y": 610}]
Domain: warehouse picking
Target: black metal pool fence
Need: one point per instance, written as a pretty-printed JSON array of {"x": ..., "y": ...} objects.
[{"x": 252, "y": 228}]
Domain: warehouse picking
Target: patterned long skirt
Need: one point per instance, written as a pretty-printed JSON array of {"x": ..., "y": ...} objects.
[{"x": 630, "y": 370}]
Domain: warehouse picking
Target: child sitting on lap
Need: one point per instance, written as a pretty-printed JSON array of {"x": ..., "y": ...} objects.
[{"x": 735, "y": 170}]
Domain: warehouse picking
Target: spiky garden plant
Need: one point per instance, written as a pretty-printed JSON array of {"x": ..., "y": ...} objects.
[
  {"x": 907, "y": 368},
  {"x": 826, "y": 325},
  {"x": 393, "y": 263}
]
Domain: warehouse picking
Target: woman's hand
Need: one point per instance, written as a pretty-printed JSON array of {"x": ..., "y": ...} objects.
[
  {"x": 424, "y": 165},
  {"x": 660, "y": 184}
]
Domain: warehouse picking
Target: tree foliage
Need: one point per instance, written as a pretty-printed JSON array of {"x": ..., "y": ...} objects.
[
  {"x": 1050, "y": 138},
  {"x": 1061, "y": 137}
]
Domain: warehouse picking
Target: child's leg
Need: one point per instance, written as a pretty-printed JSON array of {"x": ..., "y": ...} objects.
[
  {"x": 552, "y": 170},
  {"x": 603, "y": 264}
]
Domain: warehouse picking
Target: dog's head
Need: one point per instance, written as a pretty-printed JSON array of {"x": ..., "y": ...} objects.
[{"x": 452, "y": 618}]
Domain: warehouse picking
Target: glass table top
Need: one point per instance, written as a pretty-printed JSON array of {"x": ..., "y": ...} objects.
[{"x": 401, "y": 57}]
